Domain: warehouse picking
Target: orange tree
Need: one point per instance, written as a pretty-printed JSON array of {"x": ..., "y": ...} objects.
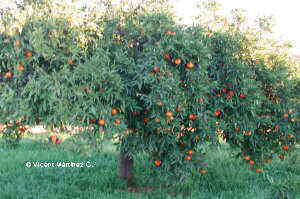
[{"x": 162, "y": 88}]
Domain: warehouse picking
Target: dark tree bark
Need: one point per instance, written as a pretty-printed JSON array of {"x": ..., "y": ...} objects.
[{"x": 127, "y": 169}]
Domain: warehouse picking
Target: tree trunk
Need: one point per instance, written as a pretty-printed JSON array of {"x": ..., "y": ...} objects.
[{"x": 127, "y": 168}]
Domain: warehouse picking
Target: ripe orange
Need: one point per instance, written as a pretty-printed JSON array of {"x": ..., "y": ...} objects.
[
  {"x": 189, "y": 65},
  {"x": 157, "y": 120},
  {"x": 101, "y": 122},
  {"x": 20, "y": 68},
  {"x": 156, "y": 69},
  {"x": 192, "y": 117},
  {"x": 242, "y": 96},
  {"x": 247, "y": 157},
  {"x": 190, "y": 152},
  {"x": 146, "y": 120},
  {"x": 28, "y": 53},
  {"x": 200, "y": 100},
  {"x": 169, "y": 114},
  {"x": 117, "y": 121},
  {"x": 87, "y": 90},
  {"x": 237, "y": 129},
  {"x": 188, "y": 158},
  {"x": 177, "y": 61},
  {"x": 285, "y": 147},
  {"x": 230, "y": 93},
  {"x": 249, "y": 133},
  {"x": 8, "y": 74},
  {"x": 53, "y": 139},
  {"x": 285, "y": 115},
  {"x": 157, "y": 163},
  {"x": 203, "y": 171},
  {"x": 217, "y": 113},
  {"x": 114, "y": 111}
]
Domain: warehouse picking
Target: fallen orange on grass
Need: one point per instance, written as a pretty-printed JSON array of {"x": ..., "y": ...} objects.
[{"x": 157, "y": 163}]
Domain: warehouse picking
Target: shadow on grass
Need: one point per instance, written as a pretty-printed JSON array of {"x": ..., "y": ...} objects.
[{"x": 96, "y": 175}]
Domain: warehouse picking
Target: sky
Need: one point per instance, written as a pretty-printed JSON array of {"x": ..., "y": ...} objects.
[{"x": 286, "y": 14}]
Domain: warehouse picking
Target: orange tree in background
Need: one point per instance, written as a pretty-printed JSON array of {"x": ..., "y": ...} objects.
[{"x": 162, "y": 88}]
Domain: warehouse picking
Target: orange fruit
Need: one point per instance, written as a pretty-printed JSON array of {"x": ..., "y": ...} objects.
[
  {"x": 247, "y": 157},
  {"x": 146, "y": 120},
  {"x": 28, "y": 53},
  {"x": 190, "y": 152},
  {"x": 117, "y": 121},
  {"x": 203, "y": 171},
  {"x": 200, "y": 100},
  {"x": 101, "y": 122},
  {"x": 252, "y": 162},
  {"x": 188, "y": 157},
  {"x": 8, "y": 74},
  {"x": 285, "y": 147},
  {"x": 114, "y": 111},
  {"x": 177, "y": 61},
  {"x": 285, "y": 115},
  {"x": 169, "y": 114},
  {"x": 20, "y": 68},
  {"x": 53, "y": 139},
  {"x": 217, "y": 113},
  {"x": 156, "y": 69},
  {"x": 157, "y": 163},
  {"x": 249, "y": 133},
  {"x": 230, "y": 93},
  {"x": 189, "y": 65},
  {"x": 157, "y": 120},
  {"x": 87, "y": 90},
  {"x": 242, "y": 96},
  {"x": 192, "y": 117}
]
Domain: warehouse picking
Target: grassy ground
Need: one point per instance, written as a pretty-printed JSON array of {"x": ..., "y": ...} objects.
[{"x": 226, "y": 177}]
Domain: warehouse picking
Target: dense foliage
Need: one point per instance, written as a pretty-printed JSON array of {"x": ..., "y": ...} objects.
[{"x": 161, "y": 87}]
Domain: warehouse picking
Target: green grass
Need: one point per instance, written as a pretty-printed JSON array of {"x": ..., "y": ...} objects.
[{"x": 226, "y": 177}]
